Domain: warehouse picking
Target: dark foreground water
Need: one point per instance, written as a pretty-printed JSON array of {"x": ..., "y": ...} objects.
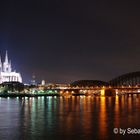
[{"x": 74, "y": 118}]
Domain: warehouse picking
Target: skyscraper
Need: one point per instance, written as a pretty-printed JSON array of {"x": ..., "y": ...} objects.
[{"x": 6, "y": 73}]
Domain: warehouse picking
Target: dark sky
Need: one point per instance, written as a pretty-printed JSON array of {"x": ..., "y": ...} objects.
[{"x": 63, "y": 41}]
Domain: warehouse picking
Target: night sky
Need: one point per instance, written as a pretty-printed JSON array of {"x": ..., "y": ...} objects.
[{"x": 63, "y": 41}]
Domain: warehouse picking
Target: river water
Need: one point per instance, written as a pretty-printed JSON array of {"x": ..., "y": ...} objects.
[{"x": 69, "y": 118}]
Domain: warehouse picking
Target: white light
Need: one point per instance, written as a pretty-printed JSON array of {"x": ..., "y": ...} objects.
[{"x": 7, "y": 75}]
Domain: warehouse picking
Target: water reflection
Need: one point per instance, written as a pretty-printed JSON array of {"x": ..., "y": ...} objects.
[{"x": 78, "y": 117}]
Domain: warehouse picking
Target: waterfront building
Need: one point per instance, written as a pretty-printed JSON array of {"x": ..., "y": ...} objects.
[{"x": 6, "y": 72}]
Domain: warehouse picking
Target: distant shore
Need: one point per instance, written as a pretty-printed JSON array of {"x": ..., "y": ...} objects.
[
  {"x": 26, "y": 95},
  {"x": 5, "y": 95}
]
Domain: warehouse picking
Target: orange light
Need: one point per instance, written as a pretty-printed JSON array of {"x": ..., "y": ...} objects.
[{"x": 102, "y": 92}]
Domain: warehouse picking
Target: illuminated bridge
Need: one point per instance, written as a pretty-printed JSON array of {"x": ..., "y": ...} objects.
[
  {"x": 124, "y": 84},
  {"x": 129, "y": 79}
]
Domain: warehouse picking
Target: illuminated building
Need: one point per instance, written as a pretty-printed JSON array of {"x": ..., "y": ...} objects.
[{"x": 6, "y": 73}]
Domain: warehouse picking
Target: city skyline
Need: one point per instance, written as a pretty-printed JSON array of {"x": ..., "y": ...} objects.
[
  {"x": 68, "y": 41},
  {"x": 5, "y": 66}
]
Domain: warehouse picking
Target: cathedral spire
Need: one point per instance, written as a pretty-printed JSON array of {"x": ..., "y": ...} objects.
[
  {"x": 0, "y": 65},
  {"x": 10, "y": 68},
  {"x": 6, "y": 63},
  {"x": 6, "y": 57}
]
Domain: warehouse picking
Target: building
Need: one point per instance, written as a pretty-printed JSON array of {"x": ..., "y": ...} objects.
[{"x": 6, "y": 73}]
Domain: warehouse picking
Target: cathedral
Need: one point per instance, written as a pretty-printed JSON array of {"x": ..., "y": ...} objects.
[{"x": 6, "y": 73}]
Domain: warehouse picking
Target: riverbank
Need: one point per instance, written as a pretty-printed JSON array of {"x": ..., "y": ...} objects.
[{"x": 25, "y": 95}]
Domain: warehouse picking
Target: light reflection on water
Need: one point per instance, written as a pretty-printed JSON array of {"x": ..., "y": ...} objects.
[{"x": 67, "y": 117}]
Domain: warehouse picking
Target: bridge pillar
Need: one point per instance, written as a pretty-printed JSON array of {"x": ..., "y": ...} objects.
[{"x": 107, "y": 92}]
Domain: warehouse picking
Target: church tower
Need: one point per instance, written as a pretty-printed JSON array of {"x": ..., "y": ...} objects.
[
  {"x": 6, "y": 65},
  {"x": 10, "y": 67},
  {"x": 0, "y": 64},
  {"x": 0, "y": 69}
]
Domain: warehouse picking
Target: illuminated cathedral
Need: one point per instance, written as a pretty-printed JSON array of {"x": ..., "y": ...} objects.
[{"x": 6, "y": 73}]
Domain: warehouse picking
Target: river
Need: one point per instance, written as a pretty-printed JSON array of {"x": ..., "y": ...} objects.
[{"x": 69, "y": 118}]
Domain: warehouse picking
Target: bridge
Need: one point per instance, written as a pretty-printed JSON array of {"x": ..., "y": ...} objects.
[
  {"x": 124, "y": 84},
  {"x": 128, "y": 80}
]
